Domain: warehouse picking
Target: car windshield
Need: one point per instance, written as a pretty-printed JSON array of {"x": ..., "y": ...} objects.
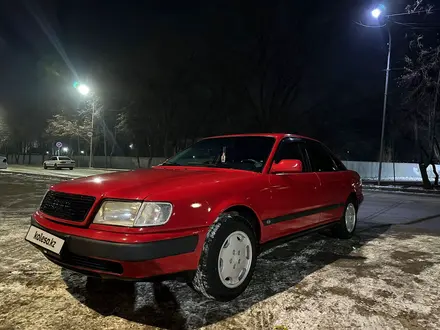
[{"x": 244, "y": 152}]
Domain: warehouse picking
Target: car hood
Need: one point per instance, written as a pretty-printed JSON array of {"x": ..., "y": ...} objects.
[{"x": 141, "y": 184}]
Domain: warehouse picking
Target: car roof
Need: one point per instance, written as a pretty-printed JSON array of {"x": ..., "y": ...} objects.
[{"x": 273, "y": 135}]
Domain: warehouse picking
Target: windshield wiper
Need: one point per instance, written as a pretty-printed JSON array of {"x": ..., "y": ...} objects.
[{"x": 170, "y": 164}]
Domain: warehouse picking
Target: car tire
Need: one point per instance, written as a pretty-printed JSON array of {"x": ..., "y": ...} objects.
[
  {"x": 45, "y": 166},
  {"x": 230, "y": 249},
  {"x": 347, "y": 224},
  {"x": 55, "y": 167},
  {"x": 71, "y": 168}
]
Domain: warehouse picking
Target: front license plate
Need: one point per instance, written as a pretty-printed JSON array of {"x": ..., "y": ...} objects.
[{"x": 44, "y": 239}]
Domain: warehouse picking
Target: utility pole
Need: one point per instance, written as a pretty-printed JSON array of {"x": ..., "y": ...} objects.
[
  {"x": 104, "y": 127},
  {"x": 91, "y": 135},
  {"x": 384, "y": 111}
]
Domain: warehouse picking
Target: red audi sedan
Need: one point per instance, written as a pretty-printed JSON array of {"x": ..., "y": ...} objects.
[{"x": 203, "y": 216}]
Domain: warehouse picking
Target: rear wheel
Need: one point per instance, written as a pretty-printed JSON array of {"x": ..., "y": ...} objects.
[
  {"x": 347, "y": 224},
  {"x": 70, "y": 168},
  {"x": 55, "y": 166},
  {"x": 228, "y": 259}
]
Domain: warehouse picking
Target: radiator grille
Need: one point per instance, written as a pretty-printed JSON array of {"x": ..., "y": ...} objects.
[{"x": 67, "y": 206}]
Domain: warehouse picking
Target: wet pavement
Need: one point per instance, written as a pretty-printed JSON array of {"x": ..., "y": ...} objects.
[{"x": 386, "y": 277}]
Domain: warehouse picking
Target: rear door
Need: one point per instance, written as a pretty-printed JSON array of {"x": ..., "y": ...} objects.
[
  {"x": 334, "y": 186},
  {"x": 51, "y": 161},
  {"x": 293, "y": 195}
]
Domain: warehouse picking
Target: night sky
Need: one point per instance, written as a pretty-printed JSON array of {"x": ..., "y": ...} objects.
[{"x": 342, "y": 85}]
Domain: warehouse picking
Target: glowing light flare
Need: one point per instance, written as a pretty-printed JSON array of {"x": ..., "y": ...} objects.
[
  {"x": 376, "y": 12},
  {"x": 83, "y": 89}
]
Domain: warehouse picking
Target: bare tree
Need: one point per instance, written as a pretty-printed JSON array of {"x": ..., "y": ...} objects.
[
  {"x": 5, "y": 133},
  {"x": 61, "y": 125},
  {"x": 421, "y": 81}
]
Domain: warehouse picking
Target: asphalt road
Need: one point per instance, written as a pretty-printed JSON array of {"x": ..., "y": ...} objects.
[{"x": 386, "y": 277}]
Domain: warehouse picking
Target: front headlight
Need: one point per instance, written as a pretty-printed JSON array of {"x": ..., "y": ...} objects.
[
  {"x": 133, "y": 214},
  {"x": 117, "y": 213},
  {"x": 153, "y": 214}
]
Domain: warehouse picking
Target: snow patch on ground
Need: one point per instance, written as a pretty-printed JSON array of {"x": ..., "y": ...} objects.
[{"x": 377, "y": 280}]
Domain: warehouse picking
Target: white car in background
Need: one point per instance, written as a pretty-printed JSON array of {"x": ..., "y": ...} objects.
[
  {"x": 3, "y": 163},
  {"x": 59, "y": 162}
]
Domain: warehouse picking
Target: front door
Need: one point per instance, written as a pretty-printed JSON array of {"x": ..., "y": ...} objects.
[{"x": 293, "y": 195}]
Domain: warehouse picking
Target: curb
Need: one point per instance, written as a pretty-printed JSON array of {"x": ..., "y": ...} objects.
[
  {"x": 50, "y": 175},
  {"x": 106, "y": 169},
  {"x": 402, "y": 190},
  {"x": 58, "y": 174}
]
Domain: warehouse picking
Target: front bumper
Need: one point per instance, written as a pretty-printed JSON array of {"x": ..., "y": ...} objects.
[
  {"x": 360, "y": 198},
  {"x": 127, "y": 261}
]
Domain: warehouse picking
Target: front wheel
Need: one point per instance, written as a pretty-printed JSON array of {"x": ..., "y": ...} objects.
[
  {"x": 347, "y": 224},
  {"x": 55, "y": 166},
  {"x": 45, "y": 166},
  {"x": 228, "y": 259}
]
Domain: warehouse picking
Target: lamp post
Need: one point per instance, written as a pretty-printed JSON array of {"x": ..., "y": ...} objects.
[
  {"x": 85, "y": 90},
  {"x": 377, "y": 13},
  {"x": 91, "y": 135}
]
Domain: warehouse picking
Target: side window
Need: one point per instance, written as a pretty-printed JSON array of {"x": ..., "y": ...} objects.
[
  {"x": 289, "y": 149},
  {"x": 320, "y": 159},
  {"x": 340, "y": 165},
  {"x": 54, "y": 158}
]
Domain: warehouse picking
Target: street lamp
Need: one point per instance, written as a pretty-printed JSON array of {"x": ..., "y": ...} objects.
[
  {"x": 65, "y": 149},
  {"x": 85, "y": 90},
  {"x": 377, "y": 13}
]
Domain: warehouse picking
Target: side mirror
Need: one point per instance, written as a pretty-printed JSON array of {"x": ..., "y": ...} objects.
[{"x": 287, "y": 166}]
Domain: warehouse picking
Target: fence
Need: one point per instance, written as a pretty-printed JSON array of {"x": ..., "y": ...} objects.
[
  {"x": 98, "y": 161},
  {"x": 367, "y": 170},
  {"x": 119, "y": 162},
  {"x": 390, "y": 171}
]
